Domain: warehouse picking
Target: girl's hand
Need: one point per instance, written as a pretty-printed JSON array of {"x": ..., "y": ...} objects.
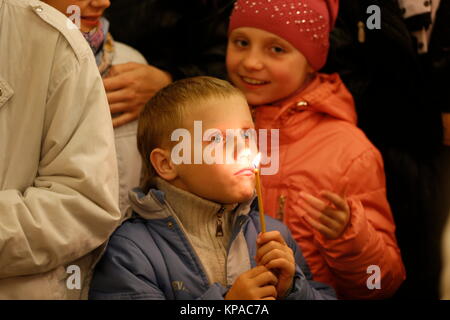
[
  {"x": 331, "y": 221},
  {"x": 275, "y": 255}
]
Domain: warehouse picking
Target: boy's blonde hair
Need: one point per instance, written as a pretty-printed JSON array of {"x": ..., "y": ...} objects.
[{"x": 165, "y": 112}]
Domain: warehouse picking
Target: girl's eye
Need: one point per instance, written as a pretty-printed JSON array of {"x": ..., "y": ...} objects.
[
  {"x": 241, "y": 43},
  {"x": 277, "y": 49}
]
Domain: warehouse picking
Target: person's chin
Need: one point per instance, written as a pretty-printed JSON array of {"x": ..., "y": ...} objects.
[
  {"x": 244, "y": 195},
  {"x": 86, "y": 29},
  {"x": 235, "y": 198},
  {"x": 256, "y": 100}
]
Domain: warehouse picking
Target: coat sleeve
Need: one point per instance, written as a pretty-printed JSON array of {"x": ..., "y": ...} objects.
[
  {"x": 124, "y": 273},
  {"x": 133, "y": 268},
  {"x": 70, "y": 206},
  {"x": 368, "y": 245},
  {"x": 304, "y": 287}
]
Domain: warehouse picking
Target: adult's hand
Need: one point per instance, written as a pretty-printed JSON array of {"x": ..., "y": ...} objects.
[{"x": 129, "y": 86}]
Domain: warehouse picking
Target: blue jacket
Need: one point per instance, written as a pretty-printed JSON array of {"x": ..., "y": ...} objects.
[{"x": 150, "y": 257}]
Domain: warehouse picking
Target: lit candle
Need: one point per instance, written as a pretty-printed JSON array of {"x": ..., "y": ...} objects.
[{"x": 262, "y": 220}]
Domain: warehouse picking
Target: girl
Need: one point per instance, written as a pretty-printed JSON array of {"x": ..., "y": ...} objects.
[{"x": 330, "y": 189}]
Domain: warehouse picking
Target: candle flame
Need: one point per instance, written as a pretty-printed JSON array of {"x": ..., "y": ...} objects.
[{"x": 257, "y": 160}]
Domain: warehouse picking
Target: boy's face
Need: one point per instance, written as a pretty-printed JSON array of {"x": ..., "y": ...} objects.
[
  {"x": 226, "y": 182},
  {"x": 90, "y": 10},
  {"x": 264, "y": 66}
]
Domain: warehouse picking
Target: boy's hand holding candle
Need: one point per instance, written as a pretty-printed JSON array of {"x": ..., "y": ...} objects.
[{"x": 274, "y": 254}]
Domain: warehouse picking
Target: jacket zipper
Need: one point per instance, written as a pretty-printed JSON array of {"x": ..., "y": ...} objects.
[
  {"x": 281, "y": 205},
  {"x": 196, "y": 257},
  {"x": 219, "y": 228}
]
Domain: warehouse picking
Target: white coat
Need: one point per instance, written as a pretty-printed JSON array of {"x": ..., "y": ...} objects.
[{"x": 58, "y": 170}]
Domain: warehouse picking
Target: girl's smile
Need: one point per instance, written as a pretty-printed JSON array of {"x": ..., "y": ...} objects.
[{"x": 264, "y": 66}]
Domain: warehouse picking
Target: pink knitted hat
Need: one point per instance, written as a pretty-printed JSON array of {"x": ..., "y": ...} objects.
[{"x": 306, "y": 24}]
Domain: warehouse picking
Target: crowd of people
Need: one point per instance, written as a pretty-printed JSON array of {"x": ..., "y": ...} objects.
[{"x": 93, "y": 92}]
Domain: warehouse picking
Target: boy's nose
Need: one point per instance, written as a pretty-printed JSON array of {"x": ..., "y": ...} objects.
[
  {"x": 101, "y": 3},
  {"x": 244, "y": 157}
]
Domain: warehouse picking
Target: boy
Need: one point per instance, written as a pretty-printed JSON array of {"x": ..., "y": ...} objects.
[{"x": 194, "y": 230}]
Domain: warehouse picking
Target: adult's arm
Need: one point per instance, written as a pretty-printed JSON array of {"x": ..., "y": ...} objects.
[{"x": 70, "y": 206}]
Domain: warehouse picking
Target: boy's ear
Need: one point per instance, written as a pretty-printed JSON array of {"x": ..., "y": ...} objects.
[{"x": 162, "y": 164}]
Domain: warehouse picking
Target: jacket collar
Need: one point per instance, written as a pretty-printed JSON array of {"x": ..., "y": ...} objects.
[
  {"x": 153, "y": 205},
  {"x": 197, "y": 215},
  {"x": 325, "y": 94}
]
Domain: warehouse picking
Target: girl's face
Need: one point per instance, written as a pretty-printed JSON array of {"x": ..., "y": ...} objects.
[
  {"x": 264, "y": 66},
  {"x": 90, "y": 10}
]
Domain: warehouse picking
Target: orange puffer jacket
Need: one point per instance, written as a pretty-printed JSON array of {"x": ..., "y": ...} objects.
[{"x": 322, "y": 149}]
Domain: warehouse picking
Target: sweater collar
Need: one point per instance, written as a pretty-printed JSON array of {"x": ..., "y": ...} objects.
[
  {"x": 152, "y": 205},
  {"x": 192, "y": 210}
]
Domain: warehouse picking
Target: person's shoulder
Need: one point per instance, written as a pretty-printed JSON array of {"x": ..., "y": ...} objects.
[
  {"x": 29, "y": 12},
  {"x": 354, "y": 140},
  {"x": 134, "y": 229},
  {"x": 345, "y": 133},
  {"x": 350, "y": 144}
]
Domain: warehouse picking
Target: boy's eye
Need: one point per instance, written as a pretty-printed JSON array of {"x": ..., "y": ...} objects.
[
  {"x": 217, "y": 138},
  {"x": 245, "y": 134}
]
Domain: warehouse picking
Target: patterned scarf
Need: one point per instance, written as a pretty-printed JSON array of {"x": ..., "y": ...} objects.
[{"x": 102, "y": 45}]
